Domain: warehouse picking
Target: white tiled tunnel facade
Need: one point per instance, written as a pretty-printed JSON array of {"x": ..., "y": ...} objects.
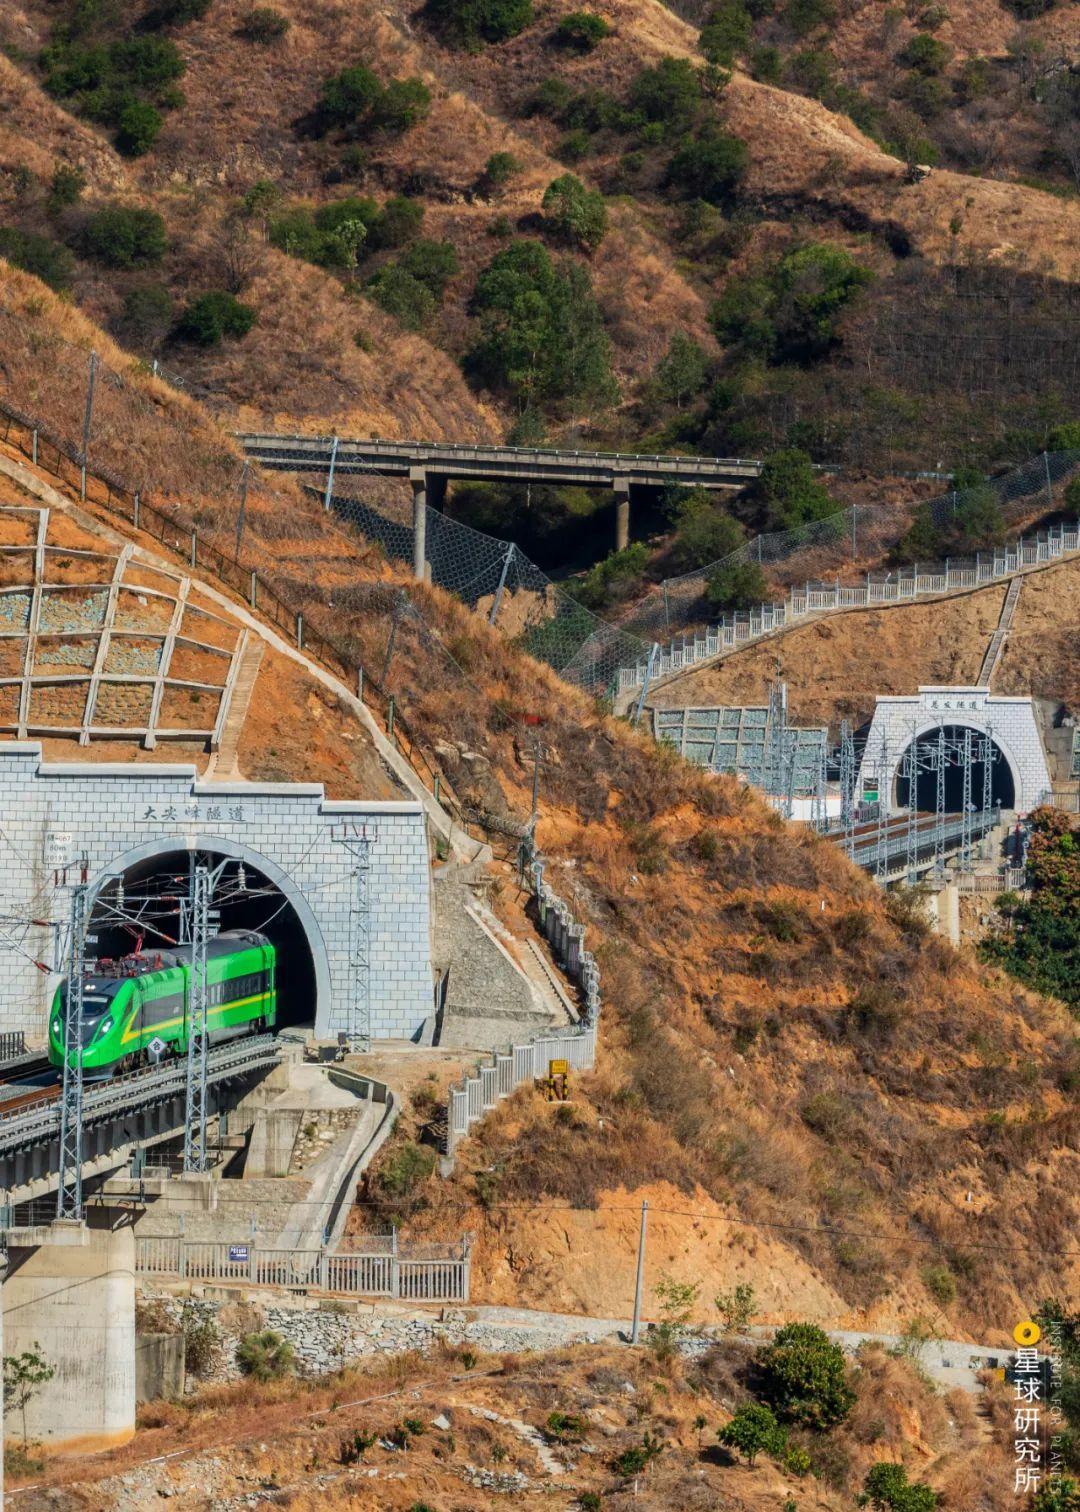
[
  {"x": 1011, "y": 723},
  {"x": 119, "y": 815}
]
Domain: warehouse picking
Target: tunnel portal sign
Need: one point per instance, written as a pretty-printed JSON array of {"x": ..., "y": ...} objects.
[{"x": 239, "y": 1254}]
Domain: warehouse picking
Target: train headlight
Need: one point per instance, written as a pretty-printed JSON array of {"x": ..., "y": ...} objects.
[
  {"x": 56, "y": 1028},
  {"x": 106, "y": 1025}
]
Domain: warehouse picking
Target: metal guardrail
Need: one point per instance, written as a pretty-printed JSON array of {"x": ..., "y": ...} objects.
[
  {"x": 879, "y": 589},
  {"x": 139, "y": 1089},
  {"x": 12, "y": 1044},
  {"x": 275, "y": 450},
  {"x": 867, "y": 850},
  {"x": 415, "y": 1273}
]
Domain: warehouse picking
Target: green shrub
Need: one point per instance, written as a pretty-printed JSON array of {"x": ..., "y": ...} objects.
[
  {"x": 265, "y": 1356},
  {"x": 925, "y": 53},
  {"x": 124, "y": 84},
  {"x": 262, "y": 24},
  {"x": 175, "y": 12},
  {"x": 668, "y": 94},
  {"x": 805, "y": 16},
  {"x": 138, "y": 127},
  {"x": 751, "y": 1430},
  {"x": 499, "y": 169},
  {"x": 574, "y": 214},
  {"x": 39, "y": 255},
  {"x": 888, "y": 1489},
  {"x": 330, "y": 236},
  {"x": 124, "y": 236},
  {"x": 581, "y": 31},
  {"x": 709, "y": 167},
  {"x": 211, "y": 317},
  {"x": 813, "y": 70},
  {"x": 202, "y": 1343},
  {"x": 790, "y": 492},
  {"x": 619, "y": 576},
  {"x": 406, "y": 1169},
  {"x": 1065, "y": 437},
  {"x": 66, "y": 188},
  {"x": 1060, "y": 1494},
  {"x": 348, "y": 96},
  {"x": 940, "y": 1283},
  {"x": 804, "y": 1377},
  {"x": 766, "y": 64},
  {"x": 402, "y": 104},
  {"x": 726, "y": 33},
  {"x": 431, "y": 263},
  {"x": 566, "y": 1427},
  {"x": 637, "y": 1459},
  {"x": 737, "y": 585},
  {"x": 470, "y": 22},
  {"x": 550, "y": 98},
  {"x": 396, "y": 291},
  {"x": 395, "y": 224},
  {"x": 146, "y": 316},
  {"x": 704, "y": 531},
  {"x": 574, "y": 146}
]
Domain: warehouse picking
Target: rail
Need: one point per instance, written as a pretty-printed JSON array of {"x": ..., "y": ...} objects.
[
  {"x": 868, "y": 850},
  {"x": 138, "y": 1089},
  {"x": 381, "y": 1268}
]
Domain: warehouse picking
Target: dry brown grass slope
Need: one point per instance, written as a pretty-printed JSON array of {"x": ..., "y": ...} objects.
[{"x": 779, "y": 1039}]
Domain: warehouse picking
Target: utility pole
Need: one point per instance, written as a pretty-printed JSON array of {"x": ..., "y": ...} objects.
[
  {"x": 198, "y": 1044},
  {"x": 987, "y": 791},
  {"x": 881, "y": 866},
  {"x": 639, "y": 1285},
  {"x": 69, "y": 1201},
  {"x": 966, "y": 836},
  {"x": 359, "y": 840},
  {"x": 939, "y": 805},
  {"x": 847, "y": 784},
  {"x": 88, "y": 415},
  {"x": 911, "y": 770}
]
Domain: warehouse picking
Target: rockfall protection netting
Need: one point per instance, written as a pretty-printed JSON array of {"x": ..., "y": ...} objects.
[
  {"x": 499, "y": 580},
  {"x": 107, "y": 429}
]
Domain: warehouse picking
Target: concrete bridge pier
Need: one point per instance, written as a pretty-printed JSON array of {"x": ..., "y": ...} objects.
[
  {"x": 622, "y": 513},
  {"x": 70, "y": 1295},
  {"x": 428, "y": 488}
]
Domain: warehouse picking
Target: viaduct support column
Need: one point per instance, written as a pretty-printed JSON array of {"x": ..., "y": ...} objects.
[
  {"x": 73, "y": 1295},
  {"x": 622, "y": 513},
  {"x": 418, "y": 479}
]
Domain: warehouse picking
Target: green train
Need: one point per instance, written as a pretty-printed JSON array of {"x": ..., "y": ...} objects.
[{"x": 143, "y": 1000}]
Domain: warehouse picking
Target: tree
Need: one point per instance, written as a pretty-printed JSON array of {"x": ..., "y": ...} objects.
[
  {"x": 1039, "y": 939},
  {"x": 669, "y": 93},
  {"x": 24, "y": 1376},
  {"x": 211, "y": 317},
  {"x": 752, "y": 1429},
  {"x": 541, "y": 338},
  {"x": 704, "y": 531},
  {"x": 122, "y": 236},
  {"x": 790, "y": 492},
  {"x": 401, "y": 105},
  {"x": 888, "y": 1490},
  {"x": 575, "y": 215},
  {"x": 262, "y": 24},
  {"x": 470, "y": 22},
  {"x": 431, "y": 263},
  {"x": 681, "y": 372},
  {"x": 499, "y": 169},
  {"x": 813, "y": 284},
  {"x": 804, "y": 1377},
  {"x": 581, "y": 31},
  {"x": 726, "y": 32},
  {"x": 403, "y": 296}
]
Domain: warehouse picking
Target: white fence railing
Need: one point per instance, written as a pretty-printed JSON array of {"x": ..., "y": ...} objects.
[
  {"x": 1010, "y": 879},
  {"x": 521, "y": 1063},
  {"x": 901, "y": 586},
  {"x": 416, "y": 1273}
]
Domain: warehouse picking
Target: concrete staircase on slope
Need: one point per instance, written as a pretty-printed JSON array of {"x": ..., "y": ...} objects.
[
  {"x": 224, "y": 762},
  {"x": 997, "y": 640}
]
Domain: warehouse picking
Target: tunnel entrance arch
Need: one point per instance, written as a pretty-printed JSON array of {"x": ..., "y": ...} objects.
[
  {"x": 274, "y": 905},
  {"x": 1003, "y": 785}
]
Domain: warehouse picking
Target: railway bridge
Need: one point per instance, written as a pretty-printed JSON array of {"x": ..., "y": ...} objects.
[{"x": 430, "y": 465}]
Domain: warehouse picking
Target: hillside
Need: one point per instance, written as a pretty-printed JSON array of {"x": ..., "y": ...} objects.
[
  {"x": 375, "y": 339},
  {"x": 824, "y": 663},
  {"x": 768, "y": 1012}
]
